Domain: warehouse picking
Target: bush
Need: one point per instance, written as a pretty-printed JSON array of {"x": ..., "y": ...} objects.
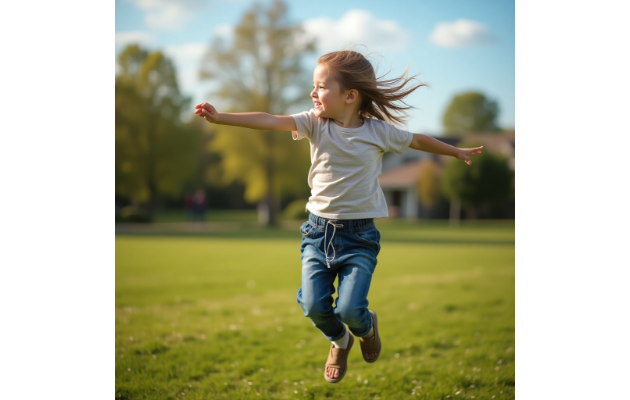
[
  {"x": 295, "y": 210},
  {"x": 133, "y": 214}
]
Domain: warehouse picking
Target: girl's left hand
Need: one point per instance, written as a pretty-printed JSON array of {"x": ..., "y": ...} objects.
[{"x": 463, "y": 154}]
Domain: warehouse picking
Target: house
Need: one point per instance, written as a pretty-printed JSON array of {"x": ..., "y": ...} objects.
[{"x": 400, "y": 174}]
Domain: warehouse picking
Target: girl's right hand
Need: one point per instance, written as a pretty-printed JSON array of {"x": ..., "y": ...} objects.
[{"x": 207, "y": 112}]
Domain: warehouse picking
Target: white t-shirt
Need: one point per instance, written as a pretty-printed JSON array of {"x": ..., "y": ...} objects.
[{"x": 346, "y": 163}]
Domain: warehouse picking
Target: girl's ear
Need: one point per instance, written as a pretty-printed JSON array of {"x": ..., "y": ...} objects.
[{"x": 352, "y": 96}]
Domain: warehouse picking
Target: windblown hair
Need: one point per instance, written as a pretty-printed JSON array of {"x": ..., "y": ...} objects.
[{"x": 381, "y": 98}]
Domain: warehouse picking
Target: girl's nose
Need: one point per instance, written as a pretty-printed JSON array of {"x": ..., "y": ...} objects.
[{"x": 313, "y": 93}]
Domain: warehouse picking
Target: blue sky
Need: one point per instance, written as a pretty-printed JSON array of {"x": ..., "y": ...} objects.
[{"x": 455, "y": 46}]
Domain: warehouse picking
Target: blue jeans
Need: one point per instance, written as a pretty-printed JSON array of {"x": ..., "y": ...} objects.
[{"x": 343, "y": 248}]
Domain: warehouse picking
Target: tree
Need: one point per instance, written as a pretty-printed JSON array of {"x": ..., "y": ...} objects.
[
  {"x": 470, "y": 112},
  {"x": 429, "y": 190},
  {"x": 261, "y": 71},
  {"x": 153, "y": 146},
  {"x": 487, "y": 182}
]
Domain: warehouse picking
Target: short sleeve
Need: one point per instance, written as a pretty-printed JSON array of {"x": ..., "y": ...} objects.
[
  {"x": 397, "y": 140},
  {"x": 305, "y": 122}
]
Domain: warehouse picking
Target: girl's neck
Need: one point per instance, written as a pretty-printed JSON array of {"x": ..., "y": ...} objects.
[{"x": 349, "y": 121}]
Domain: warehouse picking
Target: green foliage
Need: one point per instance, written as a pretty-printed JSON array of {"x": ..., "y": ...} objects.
[
  {"x": 429, "y": 190},
  {"x": 224, "y": 324},
  {"x": 153, "y": 146},
  {"x": 133, "y": 214},
  {"x": 470, "y": 112},
  {"x": 261, "y": 71},
  {"x": 489, "y": 180},
  {"x": 295, "y": 210}
]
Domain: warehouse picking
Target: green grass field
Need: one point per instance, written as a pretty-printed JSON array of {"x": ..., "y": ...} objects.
[{"x": 214, "y": 315}]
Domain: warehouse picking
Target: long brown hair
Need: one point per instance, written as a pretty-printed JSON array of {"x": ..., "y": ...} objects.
[{"x": 381, "y": 98}]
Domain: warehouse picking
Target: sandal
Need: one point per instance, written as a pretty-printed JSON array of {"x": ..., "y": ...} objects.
[
  {"x": 338, "y": 358},
  {"x": 373, "y": 343}
]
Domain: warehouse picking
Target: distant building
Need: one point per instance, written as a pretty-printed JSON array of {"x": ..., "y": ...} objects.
[{"x": 400, "y": 174}]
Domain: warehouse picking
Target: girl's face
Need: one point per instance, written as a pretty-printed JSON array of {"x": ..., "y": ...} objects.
[{"x": 328, "y": 99}]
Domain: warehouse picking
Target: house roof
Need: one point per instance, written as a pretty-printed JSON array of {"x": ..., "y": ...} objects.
[
  {"x": 401, "y": 177},
  {"x": 406, "y": 175}
]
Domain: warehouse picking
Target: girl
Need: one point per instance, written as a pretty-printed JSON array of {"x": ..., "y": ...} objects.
[{"x": 348, "y": 134}]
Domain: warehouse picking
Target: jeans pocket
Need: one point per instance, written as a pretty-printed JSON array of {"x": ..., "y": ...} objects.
[
  {"x": 307, "y": 229},
  {"x": 371, "y": 237}
]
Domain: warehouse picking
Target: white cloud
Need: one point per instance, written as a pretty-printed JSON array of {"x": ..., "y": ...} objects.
[
  {"x": 186, "y": 52},
  {"x": 168, "y": 14},
  {"x": 461, "y": 33},
  {"x": 357, "y": 27},
  {"x": 226, "y": 31},
  {"x": 138, "y": 37}
]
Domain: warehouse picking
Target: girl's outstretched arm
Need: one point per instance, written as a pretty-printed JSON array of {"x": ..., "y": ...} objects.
[
  {"x": 430, "y": 145},
  {"x": 253, "y": 120}
]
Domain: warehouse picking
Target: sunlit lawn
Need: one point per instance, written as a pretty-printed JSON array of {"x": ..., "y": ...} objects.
[{"x": 215, "y": 316}]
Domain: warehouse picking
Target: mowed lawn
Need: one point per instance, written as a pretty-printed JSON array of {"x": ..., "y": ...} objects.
[{"x": 214, "y": 316}]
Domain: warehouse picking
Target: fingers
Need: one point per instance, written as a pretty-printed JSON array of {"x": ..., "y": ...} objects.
[
  {"x": 204, "y": 105},
  {"x": 472, "y": 151},
  {"x": 205, "y": 111}
]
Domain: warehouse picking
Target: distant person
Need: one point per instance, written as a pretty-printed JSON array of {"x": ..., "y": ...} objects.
[
  {"x": 199, "y": 205},
  {"x": 188, "y": 206},
  {"x": 349, "y": 130}
]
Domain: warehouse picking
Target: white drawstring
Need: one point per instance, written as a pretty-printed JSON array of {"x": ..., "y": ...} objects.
[{"x": 335, "y": 226}]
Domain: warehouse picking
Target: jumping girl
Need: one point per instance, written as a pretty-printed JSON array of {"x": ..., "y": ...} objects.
[{"x": 348, "y": 136}]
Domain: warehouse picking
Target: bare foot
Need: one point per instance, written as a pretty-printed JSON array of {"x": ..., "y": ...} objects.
[
  {"x": 369, "y": 356},
  {"x": 371, "y": 345},
  {"x": 337, "y": 363},
  {"x": 332, "y": 373}
]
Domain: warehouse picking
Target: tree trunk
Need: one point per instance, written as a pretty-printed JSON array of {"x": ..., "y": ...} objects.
[
  {"x": 151, "y": 168},
  {"x": 272, "y": 203},
  {"x": 153, "y": 200}
]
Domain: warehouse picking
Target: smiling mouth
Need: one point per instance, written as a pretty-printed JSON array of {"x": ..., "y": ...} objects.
[{"x": 317, "y": 104}]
